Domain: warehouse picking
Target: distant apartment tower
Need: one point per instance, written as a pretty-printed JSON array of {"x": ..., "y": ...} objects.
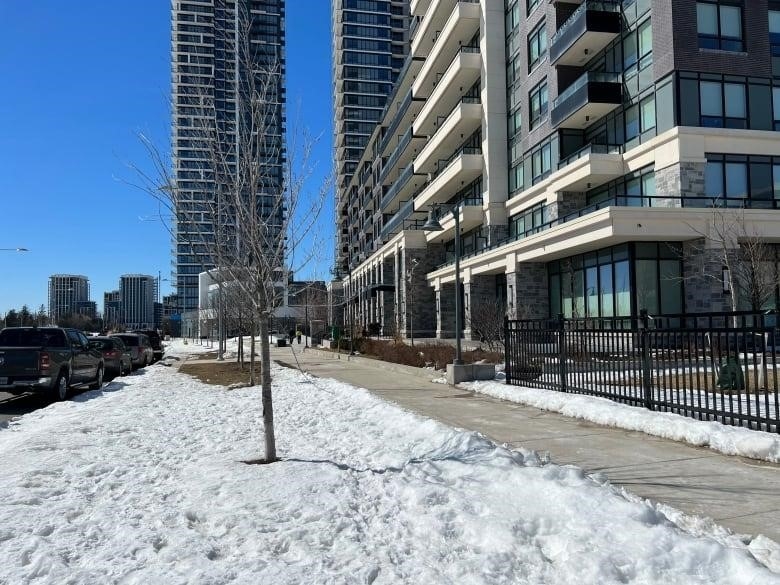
[
  {"x": 112, "y": 309},
  {"x": 66, "y": 291},
  {"x": 370, "y": 44},
  {"x": 203, "y": 63},
  {"x": 137, "y": 293}
]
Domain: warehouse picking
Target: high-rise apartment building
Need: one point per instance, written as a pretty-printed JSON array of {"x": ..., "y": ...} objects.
[
  {"x": 66, "y": 291},
  {"x": 112, "y": 315},
  {"x": 206, "y": 70},
  {"x": 370, "y": 44},
  {"x": 137, "y": 294},
  {"x": 590, "y": 151}
]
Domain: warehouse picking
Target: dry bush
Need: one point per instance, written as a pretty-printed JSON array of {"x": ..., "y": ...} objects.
[{"x": 437, "y": 355}]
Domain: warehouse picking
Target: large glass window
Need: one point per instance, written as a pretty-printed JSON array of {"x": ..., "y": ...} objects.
[
  {"x": 531, "y": 4},
  {"x": 723, "y": 105},
  {"x": 719, "y": 25},
  {"x": 537, "y": 99},
  {"x": 541, "y": 163},
  {"x": 528, "y": 221},
  {"x": 537, "y": 45},
  {"x": 738, "y": 180},
  {"x": 599, "y": 284}
]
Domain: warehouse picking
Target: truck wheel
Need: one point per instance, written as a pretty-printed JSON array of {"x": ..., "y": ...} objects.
[
  {"x": 98, "y": 379},
  {"x": 61, "y": 387},
  {"x": 122, "y": 370}
]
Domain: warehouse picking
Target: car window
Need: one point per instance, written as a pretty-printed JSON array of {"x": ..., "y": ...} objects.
[
  {"x": 118, "y": 343},
  {"x": 33, "y": 338},
  {"x": 101, "y": 344},
  {"x": 130, "y": 340},
  {"x": 75, "y": 340}
]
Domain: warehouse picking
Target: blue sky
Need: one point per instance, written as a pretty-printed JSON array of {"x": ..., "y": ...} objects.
[{"x": 80, "y": 80}]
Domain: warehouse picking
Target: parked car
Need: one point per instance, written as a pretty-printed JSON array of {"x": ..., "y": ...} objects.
[
  {"x": 117, "y": 358},
  {"x": 51, "y": 360},
  {"x": 154, "y": 338},
  {"x": 140, "y": 347}
]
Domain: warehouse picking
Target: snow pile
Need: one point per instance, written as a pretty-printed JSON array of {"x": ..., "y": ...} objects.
[
  {"x": 143, "y": 483},
  {"x": 718, "y": 437}
]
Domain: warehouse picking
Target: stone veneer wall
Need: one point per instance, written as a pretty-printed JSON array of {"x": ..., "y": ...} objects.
[
  {"x": 570, "y": 201},
  {"x": 445, "y": 321},
  {"x": 702, "y": 267},
  {"x": 423, "y": 309},
  {"x": 481, "y": 290},
  {"x": 527, "y": 291},
  {"x": 388, "y": 323},
  {"x": 685, "y": 179}
]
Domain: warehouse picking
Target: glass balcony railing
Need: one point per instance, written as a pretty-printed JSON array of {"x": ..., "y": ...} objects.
[
  {"x": 591, "y": 149},
  {"x": 397, "y": 185},
  {"x": 592, "y": 16}
]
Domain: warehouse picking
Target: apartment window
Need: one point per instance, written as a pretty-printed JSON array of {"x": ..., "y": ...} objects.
[
  {"x": 515, "y": 122},
  {"x": 634, "y": 190},
  {"x": 516, "y": 177},
  {"x": 537, "y": 45},
  {"x": 719, "y": 24},
  {"x": 723, "y": 105},
  {"x": 528, "y": 221},
  {"x": 774, "y": 39},
  {"x": 541, "y": 163},
  {"x": 531, "y": 4},
  {"x": 776, "y": 107},
  {"x": 739, "y": 180},
  {"x": 537, "y": 100}
]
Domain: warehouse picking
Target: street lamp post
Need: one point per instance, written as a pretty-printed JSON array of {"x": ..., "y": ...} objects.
[{"x": 433, "y": 225}]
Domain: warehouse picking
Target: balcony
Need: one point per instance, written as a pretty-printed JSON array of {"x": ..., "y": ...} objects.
[
  {"x": 402, "y": 155},
  {"x": 402, "y": 187},
  {"x": 406, "y": 110},
  {"x": 464, "y": 119},
  {"x": 462, "y": 73},
  {"x": 586, "y": 100},
  {"x": 397, "y": 221},
  {"x": 471, "y": 216},
  {"x": 461, "y": 169},
  {"x": 419, "y": 7},
  {"x": 587, "y": 31},
  {"x": 460, "y": 27},
  {"x": 430, "y": 25}
]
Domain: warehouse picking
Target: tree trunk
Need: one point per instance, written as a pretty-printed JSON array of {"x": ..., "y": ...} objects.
[
  {"x": 252, "y": 380},
  {"x": 268, "y": 409}
]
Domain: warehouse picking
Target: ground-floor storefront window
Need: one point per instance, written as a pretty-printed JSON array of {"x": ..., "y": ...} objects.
[{"x": 618, "y": 281}]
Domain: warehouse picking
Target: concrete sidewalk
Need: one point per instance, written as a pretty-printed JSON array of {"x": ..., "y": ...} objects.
[{"x": 740, "y": 494}]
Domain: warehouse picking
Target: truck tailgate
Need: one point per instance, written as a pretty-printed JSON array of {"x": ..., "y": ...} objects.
[{"x": 18, "y": 361}]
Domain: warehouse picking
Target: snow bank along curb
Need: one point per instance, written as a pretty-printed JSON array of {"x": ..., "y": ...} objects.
[
  {"x": 144, "y": 483},
  {"x": 718, "y": 437}
]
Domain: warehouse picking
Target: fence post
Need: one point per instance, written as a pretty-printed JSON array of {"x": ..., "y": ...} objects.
[
  {"x": 507, "y": 342},
  {"x": 644, "y": 340},
  {"x": 562, "y": 351}
]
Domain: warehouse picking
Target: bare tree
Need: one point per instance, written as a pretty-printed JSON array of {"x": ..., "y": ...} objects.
[
  {"x": 486, "y": 320},
  {"x": 732, "y": 255},
  {"x": 259, "y": 212}
]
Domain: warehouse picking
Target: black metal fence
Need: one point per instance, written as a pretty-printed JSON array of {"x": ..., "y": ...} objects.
[{"x": 708, "y": 366}]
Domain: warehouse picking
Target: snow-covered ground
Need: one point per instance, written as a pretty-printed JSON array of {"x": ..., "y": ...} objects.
[
  {"x": 143, "y": 483},
  {"x": 718, "y": 437}
]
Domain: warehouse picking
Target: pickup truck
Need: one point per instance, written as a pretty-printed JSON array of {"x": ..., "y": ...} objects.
[{"x": 49, "y": 360}]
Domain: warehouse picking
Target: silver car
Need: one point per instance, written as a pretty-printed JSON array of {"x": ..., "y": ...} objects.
[{"x": 140, "y": 347}]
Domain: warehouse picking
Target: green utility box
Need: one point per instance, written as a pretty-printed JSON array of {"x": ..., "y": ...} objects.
[{"x": 335, "y": 333}]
